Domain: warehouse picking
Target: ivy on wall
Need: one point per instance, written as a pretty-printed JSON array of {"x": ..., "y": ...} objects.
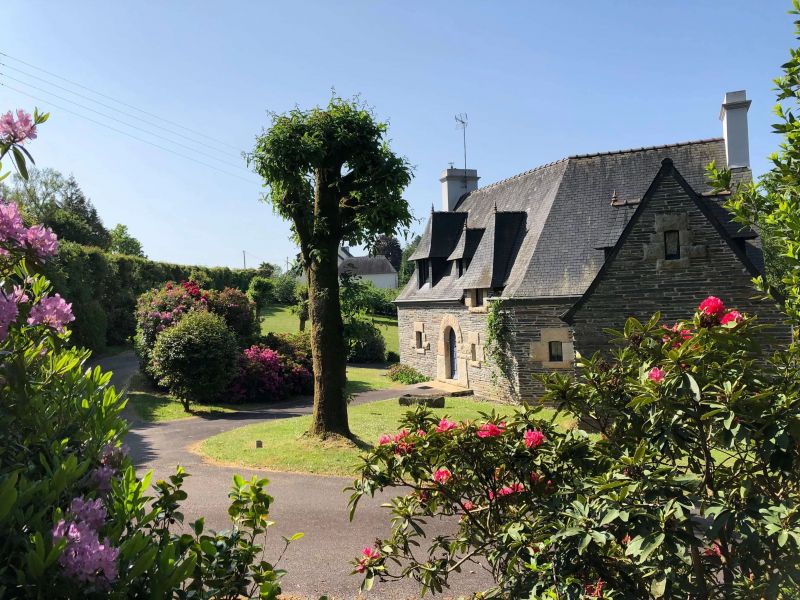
[{"x": 498, "y": 342}]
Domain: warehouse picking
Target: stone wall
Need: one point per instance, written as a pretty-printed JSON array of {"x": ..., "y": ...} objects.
[
  {"x": 532, "y": 324},
  {"x": 639, "y": 281}
]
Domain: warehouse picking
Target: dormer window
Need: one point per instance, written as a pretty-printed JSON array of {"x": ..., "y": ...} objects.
[
  {"x": 423, "y": 271},
  {"x": 672, "y": 245},
  {"x": 459, "y": 267}
]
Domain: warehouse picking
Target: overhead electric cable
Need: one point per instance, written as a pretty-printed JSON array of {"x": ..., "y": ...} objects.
[
  {"x": 128, "y": 134},
  {"x": 109, "y": 106},
  {"x": 88, "y": 89},
  {"x": 116, "y": 120}
]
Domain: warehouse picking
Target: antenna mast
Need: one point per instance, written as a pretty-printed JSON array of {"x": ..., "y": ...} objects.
[{"x": 461, "y": 123}]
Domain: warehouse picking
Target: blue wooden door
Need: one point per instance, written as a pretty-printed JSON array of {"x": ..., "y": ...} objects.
[{"x": 451, "y": 344}]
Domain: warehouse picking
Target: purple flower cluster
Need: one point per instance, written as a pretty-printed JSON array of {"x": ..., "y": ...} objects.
[
  {"x": 8, "y": 314},
  {"x": 18, "y": 131},
  {"x": 111, "y": 459},
  {"x": 52, "y": 311},
  {"x": 85, "y": 557},
  {"x": 13, "y": 234}
]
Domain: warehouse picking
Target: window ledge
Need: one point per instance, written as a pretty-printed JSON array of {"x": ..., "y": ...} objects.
[
  {"x": 475, "y": 363},
  {"x": 556, "y": 365},
  {"x": 477, "y": 309}
]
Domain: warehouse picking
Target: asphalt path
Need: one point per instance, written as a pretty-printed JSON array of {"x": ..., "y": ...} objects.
[{"x": 318, "y": 564}]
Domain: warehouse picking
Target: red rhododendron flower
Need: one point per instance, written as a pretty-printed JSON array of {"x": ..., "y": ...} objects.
[
  {"x": 442, "y": 476},
  {"x": 467, "y": 505},
  {"x": 732, "y": 317},
  {"x": 534, "y": 438},
  {"x": 656, "y": 375},
  {"x": 445, "y": 425},
  {"x": 626, "y": 540},
  {"x": 369, "y": 555},
  {"x": 385, "y": 439},
  {"x": 712, "y": 306},
  {"x": 491, "y": 430},
  {"x": 594, "y": 590},
  {"x": 714, "y": 550}
]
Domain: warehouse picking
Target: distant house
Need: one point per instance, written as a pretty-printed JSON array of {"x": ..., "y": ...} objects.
[
  {"x": 573, "y": 247},
  {"x": 376, "y": 269}
]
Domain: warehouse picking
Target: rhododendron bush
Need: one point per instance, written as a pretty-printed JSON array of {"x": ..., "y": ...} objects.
[
  {"x": 75, "y": 521},
  {"x": 682, "y": 481}
]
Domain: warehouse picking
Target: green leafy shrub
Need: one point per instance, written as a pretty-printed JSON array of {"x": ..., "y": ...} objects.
[
  {"x": 294, "y": 345},
  {"x": 365, "y": 342},
  {"x": 405, "y": 374},
  {"x": 260, "y": 292},
  {"x": 690, "y": 490},
  {"x": 392, "y": 357},
  {"x": 196, "y": 358},
  {"x": 237, "y": 310},
  {"x": 75, "y": 521},
  {"x": 283, "y": 288},
  {"x": 92, "y": 333}
]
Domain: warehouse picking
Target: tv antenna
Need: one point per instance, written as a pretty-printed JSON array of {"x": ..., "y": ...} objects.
[{"x": 461, "y": 123}]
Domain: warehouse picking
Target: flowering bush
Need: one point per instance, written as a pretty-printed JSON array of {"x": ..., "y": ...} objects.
[
  {"x": 75, "y": 521},
  {"x": 195, "y": 359},
  {"x": 688, "y": 486},
  {"x": 160, "y": 309},
  {"x": 237, "y": 310},
  {"x": 265, "y": 375},
  {"x": 295, "y": 346},
  {"x": 405, "y": 374}
]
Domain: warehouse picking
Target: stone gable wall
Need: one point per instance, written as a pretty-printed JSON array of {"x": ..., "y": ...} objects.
[{"x": 639, "y": 282}]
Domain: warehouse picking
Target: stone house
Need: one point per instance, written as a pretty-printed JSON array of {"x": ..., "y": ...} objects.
[{"x": 573, "y": 247}]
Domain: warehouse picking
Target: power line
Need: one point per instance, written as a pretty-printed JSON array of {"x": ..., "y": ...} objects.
[
  {"x": 126, "y": 133},
  {"x": 88, "y": 89},
  {"x": 116, "y": 120},
  {"x": 109, "y": 106}
]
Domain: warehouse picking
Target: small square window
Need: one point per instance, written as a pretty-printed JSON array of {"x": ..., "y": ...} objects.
[
  {"x": 556, "y": 351},
  {"x": 418, "y": 339},
  {"x": 479, "y": 297},
  {"x": 672, "y": 245}
]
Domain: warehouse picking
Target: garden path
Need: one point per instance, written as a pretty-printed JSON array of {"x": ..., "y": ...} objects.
[{"x": 316, "y": 505}]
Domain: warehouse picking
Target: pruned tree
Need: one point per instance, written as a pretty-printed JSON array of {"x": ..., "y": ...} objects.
[
  {"x": 388, "y": 246},
  {"x": 331, "y": 173}
]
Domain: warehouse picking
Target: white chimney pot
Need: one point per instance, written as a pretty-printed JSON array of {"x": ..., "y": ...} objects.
[
  {"x": 733, "y": 115},
  {"x": 456, "y": 183}
]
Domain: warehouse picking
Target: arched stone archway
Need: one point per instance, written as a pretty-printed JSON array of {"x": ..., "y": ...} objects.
[{"x": 444, "y": 368}]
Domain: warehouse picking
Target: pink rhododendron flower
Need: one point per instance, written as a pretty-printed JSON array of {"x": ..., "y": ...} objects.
[
  {"x": 18, "y": 295},
  {"x": 442, "y": 476},
  {"x": 506, "y": 490},
  {"x": 714, "y": 550},
  {"x": 594, "y": 590},
  {"x": 468, "y": 505},
  {"x": 445, "y": 425},
  {"x": 42, "y": 240},
  {"x": 733, "y": 316},
  {"x": 11, "y": 226},
  {"x": 534, "y": 438},
  {"x": 656, "y": 375},
  {"x": 491, "y": 430},
  {"x": 712, "y": 306},
  {"x": 52, "y": 311},
  {"x": 17, "y": 131},
  {"x": 384, "y": 439},
  {"x": 626, "y": 540},
  {"x": 421, "y": 433},
  {"x": 8, "y": 314},
  {"x": 368, "y": 555}
]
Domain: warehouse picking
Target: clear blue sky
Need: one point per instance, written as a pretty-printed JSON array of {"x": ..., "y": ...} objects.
[{"x": 539, "y": 80}]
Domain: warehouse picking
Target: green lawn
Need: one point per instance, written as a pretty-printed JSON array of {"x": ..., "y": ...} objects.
[
  {"x": 286, "y": 448},
  {"x": 281, "y": 319},
  {"x": 153, "y": 405}
]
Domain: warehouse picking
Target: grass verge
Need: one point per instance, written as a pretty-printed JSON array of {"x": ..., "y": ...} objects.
[{"x": 287, "y": 448}]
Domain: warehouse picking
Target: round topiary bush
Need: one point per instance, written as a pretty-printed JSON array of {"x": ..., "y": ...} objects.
[
  {"x": 364, "y": 342},
  {"x": 196, "y": 359}
]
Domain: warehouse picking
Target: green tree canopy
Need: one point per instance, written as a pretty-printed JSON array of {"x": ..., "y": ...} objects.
[
  {"x": 331, "y": 173},
  {"x": 123, "y": 242}
]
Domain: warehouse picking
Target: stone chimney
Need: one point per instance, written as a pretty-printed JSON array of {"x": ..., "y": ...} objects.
[
  {"x": 456, "y": 183},
  {"x": 733, "y": 115}
]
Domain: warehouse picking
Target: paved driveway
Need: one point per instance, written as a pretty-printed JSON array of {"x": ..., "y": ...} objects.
[{"x": 319, "y": 563}]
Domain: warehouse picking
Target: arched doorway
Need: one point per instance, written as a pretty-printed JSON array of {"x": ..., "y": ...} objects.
[{"x": 451, "y": 346}]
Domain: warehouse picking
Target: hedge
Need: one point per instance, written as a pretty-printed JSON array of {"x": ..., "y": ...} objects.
[{"x": 103, "y": 288}]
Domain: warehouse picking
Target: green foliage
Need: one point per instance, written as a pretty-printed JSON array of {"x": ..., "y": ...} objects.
[
  {"x": 388, "y": 246},
  {"x": 690, "y": 491},
  {"x": 301, "y": 304},
  {"x": 122, "y": 242},
  {"x": 499, "y": 339},
  {"x": 283, "y": 288},
  {"x": 406, "y": 266},
  {"x": 392, "y": 357},
  {"x": 260, "y": 292},
  {"x": 405, "y": 374},
  {"x": 294, "y": 345},
  {"x": 195, "y": 359},
  {"x": 365, "y": 343},
  {"x": 237, "y": 311}
]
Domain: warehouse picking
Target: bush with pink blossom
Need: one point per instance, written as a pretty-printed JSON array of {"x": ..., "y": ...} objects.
[
  {"x": 265, "y": 375},
  {"x": 683, "y": 483}
]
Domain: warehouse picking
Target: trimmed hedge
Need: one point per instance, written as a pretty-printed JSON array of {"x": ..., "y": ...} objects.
[{"x": 100, "y": 284}]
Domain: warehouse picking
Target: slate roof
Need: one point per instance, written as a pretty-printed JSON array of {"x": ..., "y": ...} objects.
[
  {"x": 441, "y": 234},
  {"x": 569, "y": 219},
  {"x": 367, "y": 265}
]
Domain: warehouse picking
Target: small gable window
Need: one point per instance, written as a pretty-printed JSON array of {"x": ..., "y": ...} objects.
[
  {"x": 556, "y": 351},
  {"x": 418, "y": 339},
  {"x": 459, "y": 267},
  {"x": 423, "y": 271},
  {"x": 480, "y": 297},
  {"x": 672, "y": 244}
]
